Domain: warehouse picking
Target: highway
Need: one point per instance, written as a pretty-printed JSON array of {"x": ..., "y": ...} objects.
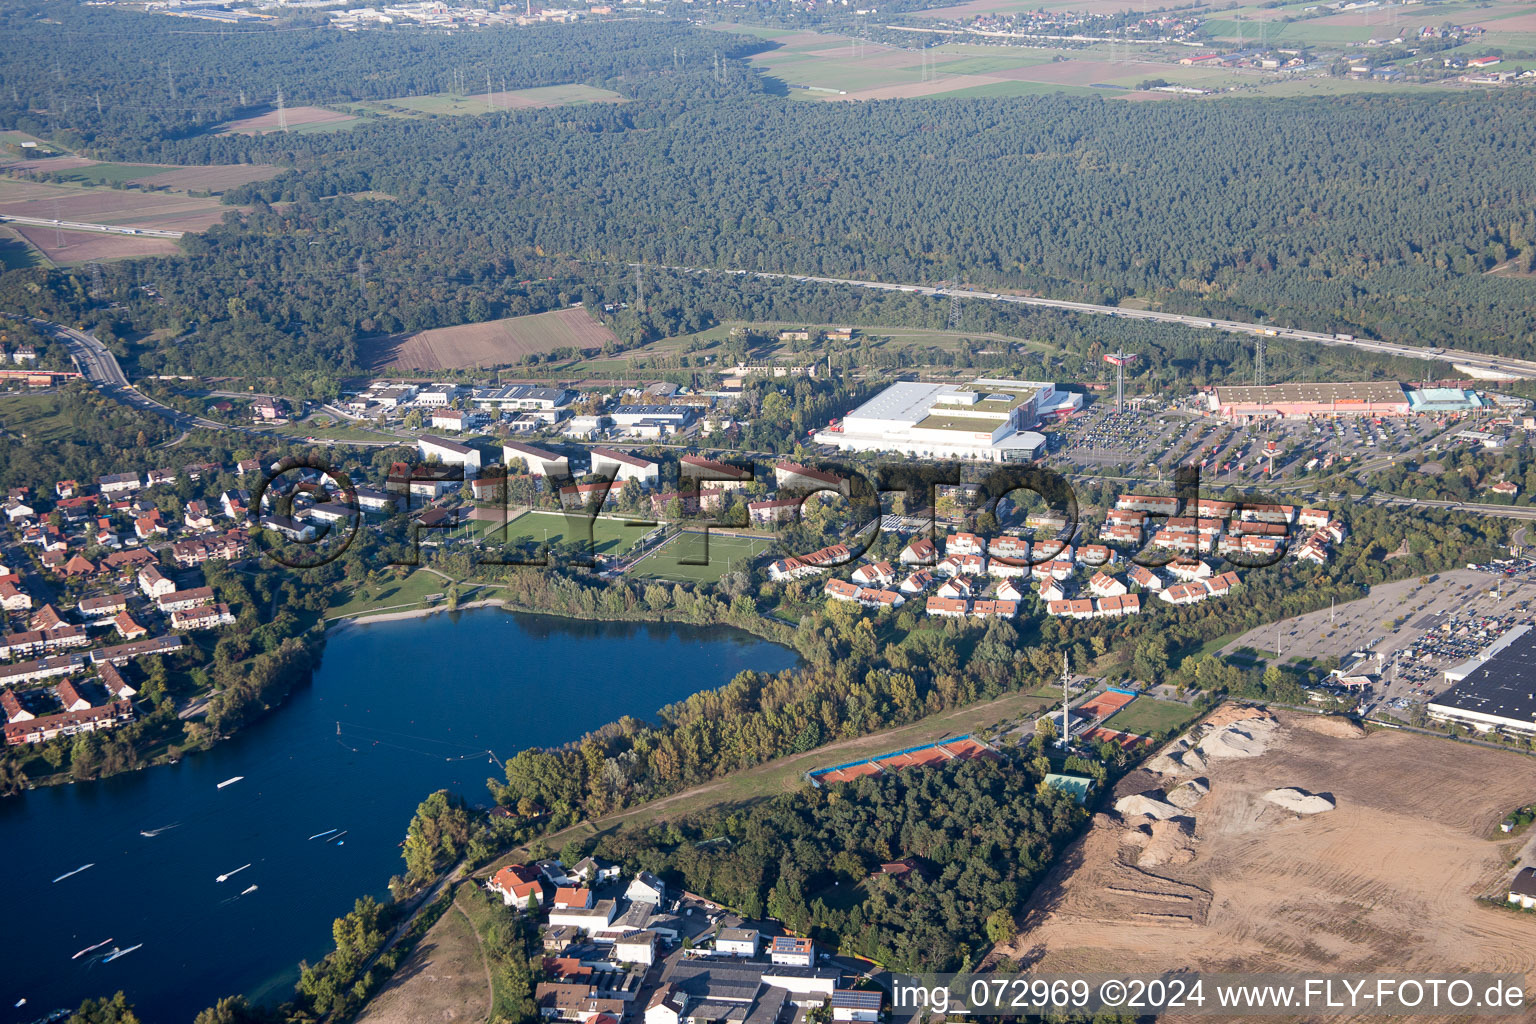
[
  {"x": 101, "y": 368},
  {"x": 106, "y": 229},
  {"x": 1474, "y": 362}
]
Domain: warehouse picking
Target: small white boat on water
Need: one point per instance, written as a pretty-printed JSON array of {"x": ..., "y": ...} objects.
[
  {"x": 119, "y": 952},
  {"x": 230, "y": 874},
  {"x": 77, "y": 870},
  {"x": 249, "y": 890},
  {"x": 229, "y": 781},
  {"x": 327, "y": 832},
  {"x": 88, "y": 949}
]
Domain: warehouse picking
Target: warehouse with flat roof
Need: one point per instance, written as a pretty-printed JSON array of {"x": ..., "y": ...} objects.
[
  {"x": 989, "y": 419},
  {"x": 1496, "y": 692},
  {"x": 1299, "y": 401}
]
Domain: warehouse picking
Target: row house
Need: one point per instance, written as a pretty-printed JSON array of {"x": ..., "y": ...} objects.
[
  {"x": 1103, "y": 585},
  {"x": 202, "y": 617},
  {"x": 1215, "y": 509},
  {"x": 1010, "y": 547},
  {"x": 1155, "y": 504},
  {"x": 228, "y": 546},
  {"x": 837, "y": 554},
  {"x": 1312, "y": 518},
  {"x": 122, "y": 654},
  {"x": 994, "y": 609},
  {"x": 102, "y": 607},
  {"x": 127, "y": 628},
  {"x": 773, "y": 510},
  {"x": 197, "y": 517},
  {"x": 88, "y": 719},
  {"x": 965, "y": 544},
  {"x": 959, "y": 586},
  {"x": 1173, "y": 540},
  {"x": 1052, "y": 590},
  {"x": 1115, "y": 607},
  {"x": 947, "y": 607},
  {"x": 1081, "y": 608},
  {"x": 576, "y": 496},
  {"x": 1117, "y": 534},
  {"x": 1007, "y": 569},
  {"x": 114, "y": 682},
  {"x": 919, "y": 552},
  {"x": 180, "y": 600},
  {"x": 1095, "y": 554},
  {"x": 1145, "y": 578},
  {"x": 1189, "y": 570},
  {"x": 118, "y": 483},
  {"x": 13, "y": 598},
  {"x": 962, "y": 565},
  {"x": 155, "y": 583},
  {"x": 37, "y": 670},
  {"x": 917, "y": 582},
  {"x": 791, "y": 569},
  {"x": 1058, "y": 570},
  {"x": 711, "y": 475},
  {"x": 879, "y": 573},
  {"x": 1249, "y": 545},
  {"x": 1126, "y": 517},
  {"x": 1184, "y": 593},
  {"x": 1270, "y": 513}
]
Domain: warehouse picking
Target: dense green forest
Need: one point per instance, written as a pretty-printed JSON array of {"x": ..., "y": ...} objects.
[
  {"x": 1377, "y": 214},
  {"x": 122, "y": 83},
  {"x": 984, "y": 830}
]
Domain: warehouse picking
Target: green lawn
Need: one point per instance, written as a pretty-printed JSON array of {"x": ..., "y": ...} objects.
[
  {"x": 36, "y": 416},
  {"x": 393, "y": 595},
  {"x": 1146, "y": 715},
  {"x": 719, "y": 552}
]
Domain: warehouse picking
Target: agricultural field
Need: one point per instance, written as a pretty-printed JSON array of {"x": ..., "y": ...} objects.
[
  {"x": 720, "y": 553},
  {"x": 170, "y": 211},
  {"x": 1147, "y": 715},
  {"x": 493, "y": 343},
  {"x": 67, "y": 247},
  {"x": 511, "y": 99},
  {"x": 1368, "y": 868},
  {"x": 297, "y": 119},
  {"x": 215, "y": 178}
]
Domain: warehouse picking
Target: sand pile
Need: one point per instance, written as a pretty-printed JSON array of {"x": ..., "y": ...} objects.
[
  {"x": 1245, "y": 739},
  {"x": 1188, "y": 794},
  {"x": 1299, "y": 800},
  {"x": 1231, "y": 714},
  {"x": 1146, "y": 804},
  {"x": 1332, "y": 725},
  {"x": 1172, "y": 842},
  {"x": 1178, "y": 759}
]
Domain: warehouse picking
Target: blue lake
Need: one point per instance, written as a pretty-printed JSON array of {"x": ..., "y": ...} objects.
[{"x": 417, "y": 701}]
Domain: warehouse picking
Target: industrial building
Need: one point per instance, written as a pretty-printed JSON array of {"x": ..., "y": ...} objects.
[
  {"x": 988, "y": 420},
  {"x": 1300, "y": 401},
  {"x": 1496, "y": 691}
]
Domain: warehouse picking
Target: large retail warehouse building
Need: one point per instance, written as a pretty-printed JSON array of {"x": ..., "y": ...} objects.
[
  {"x": 987, "y": 419},
  {"x": 1494, "y": 691}
]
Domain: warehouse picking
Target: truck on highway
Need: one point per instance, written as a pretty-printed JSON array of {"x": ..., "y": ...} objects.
[{"x": 1344, "y": 337}]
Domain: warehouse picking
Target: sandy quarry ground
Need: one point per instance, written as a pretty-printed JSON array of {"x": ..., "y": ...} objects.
[{"x": 1385, "y": 881}]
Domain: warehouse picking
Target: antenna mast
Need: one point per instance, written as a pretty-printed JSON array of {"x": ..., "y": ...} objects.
[
  {"x": 1066, "y": 704},
  {"x": 282, "y": 115}
]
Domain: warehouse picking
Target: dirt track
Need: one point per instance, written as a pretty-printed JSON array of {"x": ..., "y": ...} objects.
[{"x": 1386, "y": 882}]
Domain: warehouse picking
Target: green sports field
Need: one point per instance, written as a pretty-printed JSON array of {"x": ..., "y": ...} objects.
[
  {"x": 610, "y": 536},
  {"x": 1146, "y": 715},
  {"x": 720, "y": 553}
]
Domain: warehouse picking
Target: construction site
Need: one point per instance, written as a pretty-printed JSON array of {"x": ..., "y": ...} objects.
[{"x": 1277, "y": 841}]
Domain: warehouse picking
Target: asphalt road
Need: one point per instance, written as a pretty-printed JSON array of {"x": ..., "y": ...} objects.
[
  {"x": 101, "y": 368},
  {"x": 106, "y": 229},
  {"x": 1500, "y": 365}
]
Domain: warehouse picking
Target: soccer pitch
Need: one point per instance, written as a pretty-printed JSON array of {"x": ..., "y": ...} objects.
[
  {"x": 609, "y": 536},
  {"x": 721, "y": 552}
]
